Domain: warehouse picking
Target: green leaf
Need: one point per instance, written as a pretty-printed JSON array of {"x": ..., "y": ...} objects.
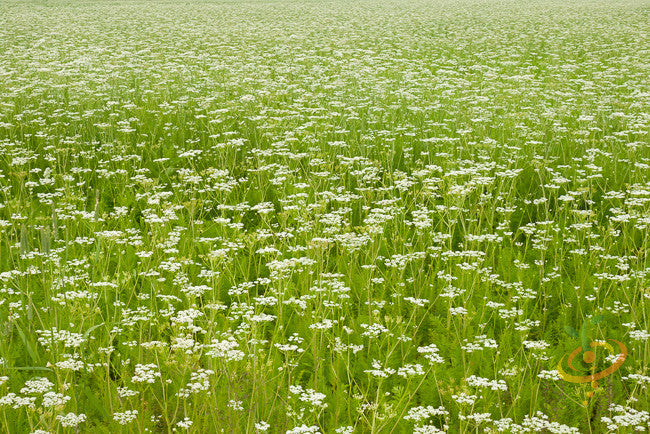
[
  {"x": 28, "y": 368},
  {"x": 96, "y": 404},
  {"x": 571, "y": 331},
  {"x": 28, "y": 347},
  {"x": 583, "y": 336},
  {"x": 597, "y": 319},
  {"x": 91, "y": 329}
]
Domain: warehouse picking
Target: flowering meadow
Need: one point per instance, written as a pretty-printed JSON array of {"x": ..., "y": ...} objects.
[{"x": 300, "y": 216}]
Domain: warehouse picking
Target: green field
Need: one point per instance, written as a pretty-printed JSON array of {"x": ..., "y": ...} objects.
[{"x": 324, "y": 216}]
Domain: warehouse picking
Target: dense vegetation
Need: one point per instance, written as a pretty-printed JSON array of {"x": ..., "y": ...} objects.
[{"x": 338, "y": 216}]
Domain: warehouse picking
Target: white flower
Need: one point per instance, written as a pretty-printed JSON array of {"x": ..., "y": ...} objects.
[
  {"x": 378, "y": 371},
  {"x": 235, "y": 405},
  {"x": 639, "y": 335},
  {"x": 262, "y": 426},
  {"x": 185, "y": 423},
  {"x": 475, "y": 381},
  {"x": 428, "y": 429},
  {"x": 69, "y": 339},
  {"x": 536, "y": 345},
  {"x": 418, "y": 414},
  {"x": 145, "y": 373},
  {"x": 71, "y": 419},
  {"x": 464, "y": 398},
  {"x": 549, "y": 375},
  {"x": 431, "y": 353},
  {"x": 53, "y": 399},
  {"x": 124, "y": 392},
  {"x": 126, "y": 417},
  {"x": 410, "y": 370},
  {"x": 37, "y": 386},
  {"x": 304, "y": 429},
  {"x": 225, "y": 349},
  {"x": 16, "y": 401},
  {"x": 457, "y": 311}
]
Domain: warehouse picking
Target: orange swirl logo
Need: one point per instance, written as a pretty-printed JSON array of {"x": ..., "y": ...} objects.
[{"x": 589, "y": 357}]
